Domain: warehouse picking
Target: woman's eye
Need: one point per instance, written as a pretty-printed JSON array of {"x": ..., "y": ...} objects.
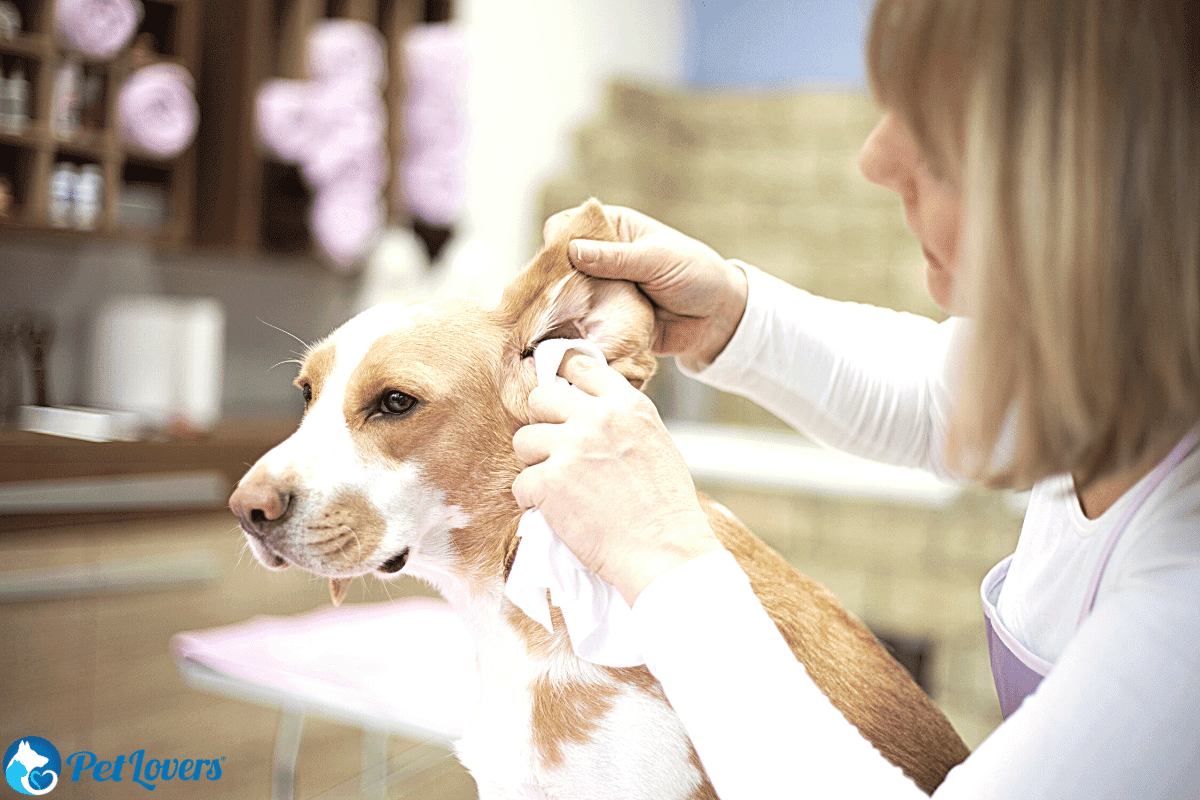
[{"x": 395, "y": 402}]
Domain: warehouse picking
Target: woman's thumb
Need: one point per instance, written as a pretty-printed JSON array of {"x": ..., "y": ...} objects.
[{"x": 606, "y": 259}]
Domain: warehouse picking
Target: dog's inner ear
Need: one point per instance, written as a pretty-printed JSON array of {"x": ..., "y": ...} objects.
[
  {"x": 550, "y": 299},
  {"x": 568, "y": 330}
]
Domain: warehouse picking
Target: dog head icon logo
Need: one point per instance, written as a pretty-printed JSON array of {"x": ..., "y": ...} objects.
[{"x": 32, "y": 765}]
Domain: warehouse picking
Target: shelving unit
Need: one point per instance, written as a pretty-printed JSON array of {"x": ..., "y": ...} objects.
[
  {"x": 28, "y": 157},
  {"x": 248, "y": 200}
]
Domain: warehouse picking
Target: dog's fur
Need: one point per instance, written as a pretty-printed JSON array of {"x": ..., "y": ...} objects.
[{"x": 427, "y": 489}]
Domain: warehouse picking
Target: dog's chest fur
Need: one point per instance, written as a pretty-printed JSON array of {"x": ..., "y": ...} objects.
[{"x": 558, "y": 727}]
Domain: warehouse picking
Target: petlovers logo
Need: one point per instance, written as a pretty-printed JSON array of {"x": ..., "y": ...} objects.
[{"x": 32, "y": 765}]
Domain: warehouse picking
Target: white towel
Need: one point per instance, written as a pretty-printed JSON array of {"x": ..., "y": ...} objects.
[
  {"x": 99, "y": 29},
  {"x": 597, "y": 617},
  {"x": 347, "y": 51},
  {"x": 282, "y": 109},
  {"x": 346, "y": 221},
  {"x": 157, "y": 111}
]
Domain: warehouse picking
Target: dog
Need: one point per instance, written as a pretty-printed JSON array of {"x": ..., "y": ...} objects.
[{"x": 403, "y": 462}]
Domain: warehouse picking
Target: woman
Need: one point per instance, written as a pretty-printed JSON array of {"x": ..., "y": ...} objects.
[{"x": 1048, "y": 158}]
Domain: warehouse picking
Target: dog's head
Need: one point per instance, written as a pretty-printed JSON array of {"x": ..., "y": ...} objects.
[{"x": 403, "y": 460}]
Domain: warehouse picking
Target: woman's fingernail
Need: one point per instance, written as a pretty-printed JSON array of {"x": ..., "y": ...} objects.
[{"x": 585, "y": 252}]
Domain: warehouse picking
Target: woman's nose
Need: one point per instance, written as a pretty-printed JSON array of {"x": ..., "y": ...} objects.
[{"x": 887, "y": 159}]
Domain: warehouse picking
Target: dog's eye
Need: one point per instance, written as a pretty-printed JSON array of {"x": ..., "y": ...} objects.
[
  {"x": 395, "y": 402},
  {"x": 306, "y": 390}
]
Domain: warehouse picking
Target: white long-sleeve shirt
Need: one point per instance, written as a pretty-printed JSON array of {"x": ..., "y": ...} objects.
[{"x": 1118, "y": 717}]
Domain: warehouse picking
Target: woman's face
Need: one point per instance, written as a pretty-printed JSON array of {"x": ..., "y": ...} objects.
[{"x": 932, "y": 207}]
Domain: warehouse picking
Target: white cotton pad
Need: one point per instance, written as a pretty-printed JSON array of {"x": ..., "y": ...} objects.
[{"x": 598, "y": 619}]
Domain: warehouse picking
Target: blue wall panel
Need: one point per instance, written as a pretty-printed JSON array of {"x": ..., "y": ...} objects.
[{"x": 774, "y": 43}]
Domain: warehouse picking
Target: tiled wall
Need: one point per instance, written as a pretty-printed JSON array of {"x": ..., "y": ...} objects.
[{"x": 773, "y": 179}]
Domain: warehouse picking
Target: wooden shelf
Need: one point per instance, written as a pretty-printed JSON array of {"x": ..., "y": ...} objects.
[
  {"x": 231, "y": 449},
  {"x": 88, "y": 143},
  {"x": 30, "y": 137},
  {"x": 28, "y": 158},
  {"x": 27, "y": 45}
]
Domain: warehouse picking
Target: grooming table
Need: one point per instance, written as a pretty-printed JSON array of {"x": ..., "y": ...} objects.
[{"x": 403, "y": 668}]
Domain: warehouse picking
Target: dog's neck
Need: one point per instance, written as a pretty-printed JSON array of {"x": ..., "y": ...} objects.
[{"x": 478, "y": 558}]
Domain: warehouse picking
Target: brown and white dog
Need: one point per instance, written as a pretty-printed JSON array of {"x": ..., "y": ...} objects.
[{"x": 404, "y": 461}]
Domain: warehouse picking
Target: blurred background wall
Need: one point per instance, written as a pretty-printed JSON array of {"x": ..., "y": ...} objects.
[{"x": 768, "y": 43}]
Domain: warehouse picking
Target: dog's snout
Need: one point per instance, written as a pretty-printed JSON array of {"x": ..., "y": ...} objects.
[{"x": 257, "y": 504}]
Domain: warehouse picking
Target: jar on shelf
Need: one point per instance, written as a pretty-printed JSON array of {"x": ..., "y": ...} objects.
[
  {"x": 14, "y": 100},
  {"x": 89, "y": 191},
  {"x": 62, "y": 194},
  {"x": 68, "y": 89}
]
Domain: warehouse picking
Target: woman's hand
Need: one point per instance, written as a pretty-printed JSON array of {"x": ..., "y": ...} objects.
[
  {"x": 608, "y": 478},
  {"x": 698, "y": 296}
]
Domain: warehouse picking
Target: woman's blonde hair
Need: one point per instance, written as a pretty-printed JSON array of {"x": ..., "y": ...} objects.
[{"x": 1073, "y": 129}]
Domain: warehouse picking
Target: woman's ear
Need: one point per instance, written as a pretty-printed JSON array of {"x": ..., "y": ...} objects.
[{"x": 550, "y": 299}]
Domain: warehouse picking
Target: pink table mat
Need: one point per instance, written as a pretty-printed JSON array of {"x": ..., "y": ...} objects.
[{"x": 411, "y": 661}]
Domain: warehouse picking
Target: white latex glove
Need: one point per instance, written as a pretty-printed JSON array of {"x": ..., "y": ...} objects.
[
  {"x": 608, "y": 478},
  {"x": 698, "y": 296}
]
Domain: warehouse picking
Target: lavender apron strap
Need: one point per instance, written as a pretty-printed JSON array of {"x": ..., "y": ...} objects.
[{"x": 1173, "y": 459}]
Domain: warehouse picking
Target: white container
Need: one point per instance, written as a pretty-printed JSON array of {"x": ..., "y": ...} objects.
[
  {"x": 75, "y": 422},
  {"x": 5, "y": 112},
  {"x": 10, "y": 20},
  {"x": 16, "y": 100},
  {"x": 160, "y": 357},
  {"x": 89, "y": 193},
  {"x": 65, "y": 101},
  {"x": 62, "y": 194}
]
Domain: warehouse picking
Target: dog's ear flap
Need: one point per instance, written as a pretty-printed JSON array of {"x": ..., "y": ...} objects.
[{"x": 550, "y": 299}]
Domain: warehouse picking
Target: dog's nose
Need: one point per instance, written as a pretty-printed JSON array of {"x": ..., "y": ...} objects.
[{"x": 256, "y": 504}]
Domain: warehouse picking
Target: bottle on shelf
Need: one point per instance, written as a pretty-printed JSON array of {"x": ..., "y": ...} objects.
[
  {"x": 64, "y": 117},
  {"x": 62, "y": 194},
  {"x": 4, "y": 111},
  {"x": 89, "y": 189},
  {"x": 16, "y": 100},
  {"x": 7, "y": 198},
  {"x": 10, "y": 20}
]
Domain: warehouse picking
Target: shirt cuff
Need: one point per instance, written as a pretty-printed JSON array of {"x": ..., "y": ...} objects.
[
  {"x": 711, "y": 587},
  {"x": 746, "y": 339}
]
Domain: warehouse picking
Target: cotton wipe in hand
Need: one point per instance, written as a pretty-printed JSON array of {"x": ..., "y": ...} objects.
[{"x": 597, "y": 617}]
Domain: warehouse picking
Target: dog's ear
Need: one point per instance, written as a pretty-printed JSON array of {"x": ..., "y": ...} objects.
[{"x": 550, "y": 299}]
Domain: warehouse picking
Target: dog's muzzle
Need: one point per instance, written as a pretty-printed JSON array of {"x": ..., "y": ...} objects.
[{"x": 257, "y": 506}]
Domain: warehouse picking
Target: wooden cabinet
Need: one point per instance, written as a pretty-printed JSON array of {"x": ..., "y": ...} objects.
[
  {"x": 248, "y": 200},
  {"x": 30, "y": 155}
]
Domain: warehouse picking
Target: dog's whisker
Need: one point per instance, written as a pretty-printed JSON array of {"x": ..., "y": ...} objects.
[
  {"x": 303, "y": 343},
  {"x": 285, "y": 361}
]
